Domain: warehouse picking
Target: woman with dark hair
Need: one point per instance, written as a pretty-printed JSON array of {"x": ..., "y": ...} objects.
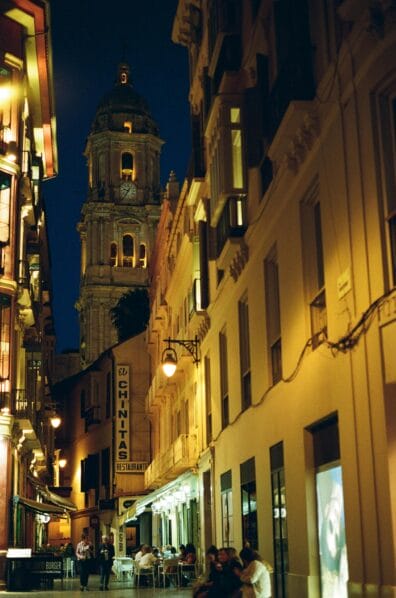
[
  {"x": 190, "y": 555},
  {"x": 255, "y": 575}
]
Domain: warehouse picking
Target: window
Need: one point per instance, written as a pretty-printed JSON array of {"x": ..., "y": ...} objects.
[
  {"x": 226, "y": 509},
  {"x": 142, "y": 263},
  {"x": 279, "y": 520},
  {"x": 313, "y": 262},
  {"x": 5, "y": 195},
  {"x": 236, "y": 148},
  {"x": 128, "y": 126},
  {"x": 232, "y": 222},
  {"x": 113, "y": 254},
  {"x": 208, "y": 400},
  {"x": 271, "y": 280},
  {"x": 105, "y": 470},
  {"x": 5, "y": 103},
  {"x": 385, "y": 115},
  {"x": 225, "y": 417},
  {"x": 5, "y": 328},
  {"x": 83, "y": 403},
  {"x": 249, "y": 503},
  {"x": 127, "y": 166},
  {"x": 244, "y": 348},
  {"x": 101, "y": 169},
  {"x": 225, "y": 157},
  {"x": 127, "y": 251},
  {"x": 108, "y": 395}
]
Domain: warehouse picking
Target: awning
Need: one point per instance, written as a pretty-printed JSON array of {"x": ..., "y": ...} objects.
[
  {"x": 60, "y": 501},
  {"x": 39, "y": 507},
  {"x": 50, "y": 496},
  {"x": 189, "y": 477}
]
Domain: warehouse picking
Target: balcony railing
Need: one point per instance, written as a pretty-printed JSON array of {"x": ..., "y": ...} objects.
[{"x": 181, "y": 455}]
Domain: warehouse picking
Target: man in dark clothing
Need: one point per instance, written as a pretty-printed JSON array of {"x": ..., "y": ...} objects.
[{"x": 106, "y": 556}]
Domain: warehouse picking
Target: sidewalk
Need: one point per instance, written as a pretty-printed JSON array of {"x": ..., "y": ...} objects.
[{"x": 118, "y": 589}]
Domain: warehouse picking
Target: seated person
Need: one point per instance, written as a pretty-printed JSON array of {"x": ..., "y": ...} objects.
[
  {"x": 148, "y": 559},
  {"x": 224, "y": 580}
]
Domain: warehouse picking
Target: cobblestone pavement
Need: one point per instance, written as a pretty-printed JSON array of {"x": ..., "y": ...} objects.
[{"x": 118, "y": 589}]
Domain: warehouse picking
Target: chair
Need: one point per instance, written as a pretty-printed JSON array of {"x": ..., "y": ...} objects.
[
  {"x": 68, "y": 567},
  {"x": 169, "y": 570},
  {"x": 123, "y": 566},
  {"x": 189, "y": 570},
  {"x": 146, "y": 571}
]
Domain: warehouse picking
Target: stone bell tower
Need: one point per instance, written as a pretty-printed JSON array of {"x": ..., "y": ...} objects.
[{"x": 121, "y": 212}]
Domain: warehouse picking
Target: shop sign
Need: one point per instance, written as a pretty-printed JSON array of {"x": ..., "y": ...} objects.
[
  {"x": 94, "y": 521},
  {"x": 121, "y": 540},
  {"x": 131, "y": 467},
  {"x": 122, "y": 414},
  {"x": 124, "y": 503}
]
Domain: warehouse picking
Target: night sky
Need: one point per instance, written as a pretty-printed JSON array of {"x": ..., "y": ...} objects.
[{"x": 90, "y": 38}]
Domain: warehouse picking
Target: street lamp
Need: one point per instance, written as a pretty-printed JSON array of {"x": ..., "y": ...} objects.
[
  {"x": 169, "y": 356},
  {"x": 55, "y": 421}
]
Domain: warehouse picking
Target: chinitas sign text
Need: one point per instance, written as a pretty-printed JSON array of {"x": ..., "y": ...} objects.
[{"x": 122, "y": 411}]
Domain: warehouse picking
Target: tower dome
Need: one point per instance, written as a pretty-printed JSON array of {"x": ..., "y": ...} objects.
[{"x": 123, "y": 104}]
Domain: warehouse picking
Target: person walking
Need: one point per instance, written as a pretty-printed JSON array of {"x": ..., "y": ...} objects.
[
  {"x": 106, "y": 556},
  {"x": 84, "y": 554}
]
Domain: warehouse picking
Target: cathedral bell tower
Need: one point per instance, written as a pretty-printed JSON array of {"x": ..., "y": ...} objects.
[{"x": 121, "y": 212}]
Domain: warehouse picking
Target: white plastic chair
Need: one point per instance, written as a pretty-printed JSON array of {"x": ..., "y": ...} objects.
[
  {"x": 146, "y": 571},
  {"x": 169, "y": 570}
]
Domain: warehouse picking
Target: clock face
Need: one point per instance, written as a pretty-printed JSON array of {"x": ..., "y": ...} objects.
[{"x": 127, "y": 190}]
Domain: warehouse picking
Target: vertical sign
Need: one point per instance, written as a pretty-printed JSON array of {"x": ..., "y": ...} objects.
[
  {"x": 121, "y": 541},
  {"x": 122, "y": 414}
]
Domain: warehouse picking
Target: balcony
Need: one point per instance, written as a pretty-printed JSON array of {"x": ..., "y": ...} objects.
[
  {"x": 23, "y": 408},
  {"x": 180, "y": 456},
  {"x": 156, "y": 390}
]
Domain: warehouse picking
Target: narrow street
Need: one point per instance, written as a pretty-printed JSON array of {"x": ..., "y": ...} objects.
[{"x": 118, "y": 589}]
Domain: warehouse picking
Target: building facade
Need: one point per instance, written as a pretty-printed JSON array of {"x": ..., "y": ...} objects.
[
  {"x": 106, "y": 442},
  {"x": 279, "y": 256},
  {"x": 120, "y": 215},
  {"x": 28, "y": 156}
]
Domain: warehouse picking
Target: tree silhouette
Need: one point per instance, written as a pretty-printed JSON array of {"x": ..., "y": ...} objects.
[{"x": 131, "y": 314}]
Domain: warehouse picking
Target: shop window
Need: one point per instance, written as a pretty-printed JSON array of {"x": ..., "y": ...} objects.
[
  {"x": 127, "y": 166},
  {"x": 244, "y": 353},
  {"x": 249, "y": 503},
  {"x": 5, "y": 197},
  {"x": 127, "y": 251},
  {"x": 274, "y": 340},
  {"x": 279, "y": 521},
  {"x": 227, "y": 509},
  {"x": 225, "y": 415},
  {"x": 113, "y": 254},
  {"x": 313, "y": 261},
  {"x": 208, "y": 400},
  {"x": 330, "y": 509},
  {"x": 5, "y": 328},
  {"x": 142, "y": 263}
]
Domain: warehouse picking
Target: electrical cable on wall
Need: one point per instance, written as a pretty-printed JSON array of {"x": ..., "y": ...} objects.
[{"x": 344, "y": 344}]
